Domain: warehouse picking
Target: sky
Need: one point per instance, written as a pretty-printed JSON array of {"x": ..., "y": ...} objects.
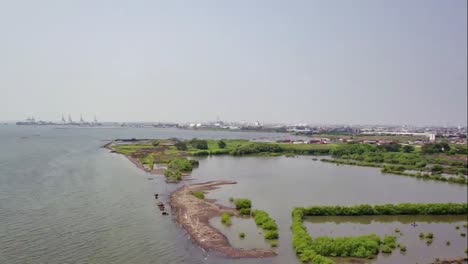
[{"x": 332, "y": 62}]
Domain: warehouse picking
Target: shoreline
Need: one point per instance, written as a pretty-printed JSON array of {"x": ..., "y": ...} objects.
[{"x": 194, "y": 215}]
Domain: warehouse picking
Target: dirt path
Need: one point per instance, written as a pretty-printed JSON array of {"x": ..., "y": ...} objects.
[{"x": 194, "y": 214}]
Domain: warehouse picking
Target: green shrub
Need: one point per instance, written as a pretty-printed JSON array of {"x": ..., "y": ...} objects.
[
  {"x": 274, "y": 243},
  {"x": 173, "y": 175},
  {"x": 201, "y": 153},
  {"x": 226, "y": 219},
  {"x": 199, "y": 144},
  {"x": 180, "y": 145},
  {"x": 221, "y": 144},
  {"x": 386, "y": 249},
  {"x": 194, "y": 163},
  {"x": 199, "y": 195},
  {"x": 402, "y": 248},
  {"x": 181, "y": 164},
  {"x": 242, "y": 203},
  {"x": 389, "y": 209},
  {"x": 389, "y": 241},
  {"x": 264, "y": 220},
  {"x": 256, "y": 148},
  {"x": 244, "y": 211},
  {"x": 242, "y": 235},
  {"x": 271, "y": 234}
]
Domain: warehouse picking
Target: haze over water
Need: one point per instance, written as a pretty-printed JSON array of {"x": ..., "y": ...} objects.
[{"x": 63, "y": 199}]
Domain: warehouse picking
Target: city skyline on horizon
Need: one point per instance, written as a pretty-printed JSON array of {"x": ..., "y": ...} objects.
[
  {"x": 214, "y": 120},
  {"x": 369, "y": 62}
]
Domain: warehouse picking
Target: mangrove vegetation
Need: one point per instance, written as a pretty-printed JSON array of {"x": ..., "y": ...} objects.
[{"x": 309, "y": 249}]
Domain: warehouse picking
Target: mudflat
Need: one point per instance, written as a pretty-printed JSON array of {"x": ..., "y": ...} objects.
[{"x": 194, "y": 215}]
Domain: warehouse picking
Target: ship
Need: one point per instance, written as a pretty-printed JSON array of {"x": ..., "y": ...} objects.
[{"x": 31, "y": 121}]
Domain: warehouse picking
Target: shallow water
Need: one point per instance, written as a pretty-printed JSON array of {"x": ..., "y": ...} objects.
[
  {"x": 254, "y": 235},
  {"x": 443, "y": 228},
  {"x": 278, "y": 184},
  {"x": 63, "y": 199}
]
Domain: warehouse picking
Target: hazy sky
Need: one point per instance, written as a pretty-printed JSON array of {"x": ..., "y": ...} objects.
[{"x": 392, "y": 61}]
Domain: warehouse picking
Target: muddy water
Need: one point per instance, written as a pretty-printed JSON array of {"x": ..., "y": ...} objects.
[{"x": 278, "y": 184}]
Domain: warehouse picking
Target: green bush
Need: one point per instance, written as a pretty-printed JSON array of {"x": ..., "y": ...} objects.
[
  {"x": 274, "y": 243},
  {"x": 242, "y": 235},
  {"x": 194, "y": 163},
  {"x": 199, "y": 144},
  {"x": 221, "y": 144},
  {"x": 199, "y": 195},
  {"x": 226, "y": 219},
  {"x": 389, "y": 241},
  {"x": 173, "y": 175},
  {"x": 242, "y": 203},
  {"x": 201, "y": 153},
  {"x": 271, "y": 234},
  {"x": 386, "y": 249},
  {"x": 256, "y": 148},
  {"x": 402, "y": 248},
  {"x": 181, "y": 164},
  {"x": 244, "y": 211},
  {"x": 264, "y": 220},
  {"x": 389, "y": 209},
  {"x": 181, "y": 145}
]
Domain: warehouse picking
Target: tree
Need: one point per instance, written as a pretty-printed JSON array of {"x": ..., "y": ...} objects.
[
  {"x": 180, "y": 145},
  {"x": 408, "y": 149},
  {"x": 221, "y": 144},
  {"x": 435, "y": 148},
  {"x": 391, "y": 147},
  {"x": 437, "y": 169},
  {"x": 199, "y": 143}
]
